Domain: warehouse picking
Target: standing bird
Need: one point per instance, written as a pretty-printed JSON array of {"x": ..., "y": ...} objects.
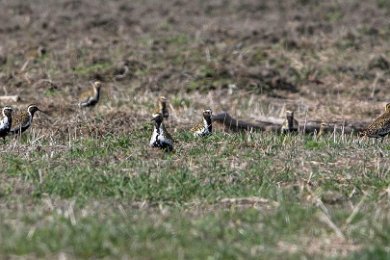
[
  {"x": 205, "y": 127},
  {"x": 322, "y": 130},
  {"x": 23, "y": 120},
  {"x": 290, "y": 124},
  {"x": 380, "y": 127},
  {"x": 160, "y": 137},
  {"x": 162, "y": 107},
  {"x": 6, "y": 122},
  {"x": 91, "y": 96}
]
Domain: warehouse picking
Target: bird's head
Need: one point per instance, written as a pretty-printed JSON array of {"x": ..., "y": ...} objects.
[
  {"x": 290, "y": 114},
  {"x": 387, "y": 108},
  {"x": 207, "y": 113},
  {"x": 97, "y": 84},
  {"x": 7, "y": 111},
  {"x": 32, "y": 108},
  {"x": 162, "y": 99}
]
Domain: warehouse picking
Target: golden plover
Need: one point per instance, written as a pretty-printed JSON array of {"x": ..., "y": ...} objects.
[
  {"x": 380, "y": 127},
  {"x": 205, "y": 127},
  {"x": 322, "y": 130},
  {"x": 90, "y": 97},
  {"x": 6, "y": 122},
  {"x": 290, "y": 124},
  {"x": 23, "y": 120},
  {"x": 160, "y": 137},
  {"x": 162, "y": 107}
]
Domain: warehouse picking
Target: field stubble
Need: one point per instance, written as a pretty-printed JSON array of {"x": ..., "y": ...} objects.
[{"x": 85, "y": 183}]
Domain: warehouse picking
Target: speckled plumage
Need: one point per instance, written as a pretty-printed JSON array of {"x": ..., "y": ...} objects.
[
  {"x": 380, "y": 127},
  {"x": 162, "y": 107},
  {"x": 204, "y": 127},
  {"x": 90, "y": 97},
  {"x": 22, "y": 120}
]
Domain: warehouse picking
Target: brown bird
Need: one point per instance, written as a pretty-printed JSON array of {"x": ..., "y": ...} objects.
[
  {"x": 91, "y": 96},
  {"x": 290, "y": 124},
  {"x": 160, "y": 137},
  {"x": 322, "y": 130},
  {"x": 205, "y": 127},
  {"x": 23, "y": 120},
  {"x": 162, "y": 107},
  {"x": 380, "y": 127},
  {"x": 6, "y": 121}
]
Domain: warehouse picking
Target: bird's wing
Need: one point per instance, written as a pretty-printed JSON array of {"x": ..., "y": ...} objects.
[
  {"x": 197, "y": 127},
  {"x": 19, "y": 120},
  {"x": 379, "y": 126},
  {"x": 85, "y": 95},
  {"x": 156, "y": 109},
  {"x": 379, "y": 122}
]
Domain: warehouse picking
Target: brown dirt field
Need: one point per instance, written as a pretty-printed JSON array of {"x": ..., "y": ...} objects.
[{"x": 327, "y": 61}]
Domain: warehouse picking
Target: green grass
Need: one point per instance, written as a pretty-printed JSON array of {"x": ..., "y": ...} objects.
[
  {"x": 87, "y": 70},
  {"x": 116, "y": 196},
  {"x": 85, "y": 184}
]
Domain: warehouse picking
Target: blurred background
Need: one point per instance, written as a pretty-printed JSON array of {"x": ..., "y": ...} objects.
[{"x": 328, "y": 60}]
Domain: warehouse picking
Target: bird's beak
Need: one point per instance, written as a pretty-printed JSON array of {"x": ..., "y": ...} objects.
[{"x": 42, "y": 111}]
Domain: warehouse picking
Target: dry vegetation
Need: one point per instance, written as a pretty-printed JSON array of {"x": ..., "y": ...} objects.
[{"x": 85, "y": 184}]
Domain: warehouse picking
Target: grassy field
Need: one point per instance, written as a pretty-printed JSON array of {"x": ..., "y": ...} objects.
[
  {"x": 227, "y": 196},
  {"x": 85, "y": 184}
]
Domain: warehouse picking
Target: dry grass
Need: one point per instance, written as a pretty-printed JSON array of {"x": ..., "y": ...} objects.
[{"x": 85, "y": 184}]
